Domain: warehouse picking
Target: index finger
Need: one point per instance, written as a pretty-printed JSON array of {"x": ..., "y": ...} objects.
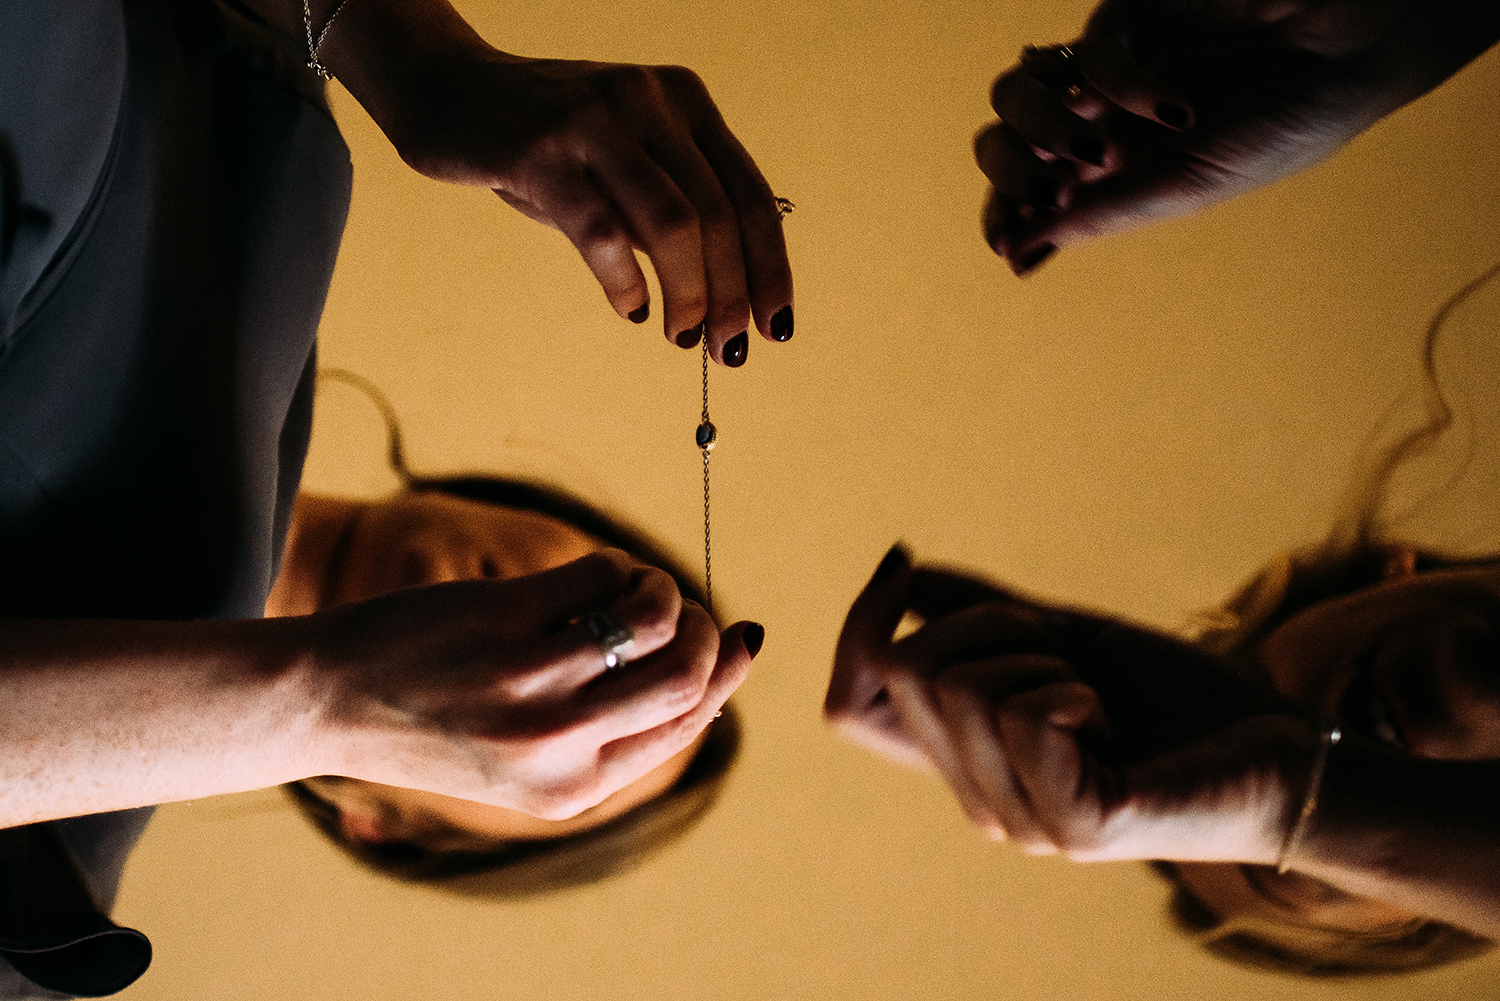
[
  {"x": 1106, "y": 63},
  {"x": 768, "y": 272},
  {"x": 866, "y": 637},
  {"x": 550, "y": 600},
  {"x": 939, "y": 591},
  {"x": 654, "y": 689},
  {"x": 624, "y": 760}
]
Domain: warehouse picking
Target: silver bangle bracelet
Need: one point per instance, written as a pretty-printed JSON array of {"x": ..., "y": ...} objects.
[{"x": 1331, "y": 736}]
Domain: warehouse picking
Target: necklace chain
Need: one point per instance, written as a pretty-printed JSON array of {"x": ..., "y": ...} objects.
[
  {"x": 706, "y": 437},
  {"x": 707, "y": 447}
]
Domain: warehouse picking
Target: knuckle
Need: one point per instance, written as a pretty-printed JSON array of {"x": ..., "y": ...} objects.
[
  {"x": 656, "y": 617},
  {"x": 609, "y": 564},
  {"x": 675, "y": 222},
  {"x": 601, "y": 229},
  {"x": 684, "y": 689},
  {"x": 630, "y": 80},
  {"x": 1075, "y": 841},
  {"x": 717, "y": 218},
  {"x": 560, "y": 803},
  {"x": 682, "y": 78},
  {"x": 732, "y": 313}
]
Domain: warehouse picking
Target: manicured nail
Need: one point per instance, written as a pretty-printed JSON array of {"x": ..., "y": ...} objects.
[
  {"x": 754, "y": 635},
  {"x": 1042, "y": 191},
  {"x": 737, "y": 348},
  {"x": 781, "y": 324},
  {"x": 894, "y": 560},
  {"x": 1173, "y": 116},
  {"x": 1089, "y": 149},
  {"x": 1032, "y": 258},
  {"x": 690, "y": 338},
  {"x": 639, "y": 314}
]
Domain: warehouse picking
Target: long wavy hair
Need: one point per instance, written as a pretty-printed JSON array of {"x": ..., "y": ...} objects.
[
  {"x": 1353, "y": 556},
  {"x": 522, "y": 868}
]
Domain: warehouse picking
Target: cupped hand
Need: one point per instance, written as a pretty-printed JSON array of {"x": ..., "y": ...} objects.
[
  {"x": 1065, "y": 732},
  {"x": 1163, "y": 107},
  {"x": 497, "y": 691},
  {"x": 618, "y": 158}
]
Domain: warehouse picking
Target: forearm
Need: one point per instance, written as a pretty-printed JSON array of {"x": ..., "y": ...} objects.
[
  {"x": 1418, "y": 832},
  {"x": 98, "y": 716}
]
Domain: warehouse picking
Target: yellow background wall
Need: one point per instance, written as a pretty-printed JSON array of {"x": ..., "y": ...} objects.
[{"x": 1136, "y": 427}]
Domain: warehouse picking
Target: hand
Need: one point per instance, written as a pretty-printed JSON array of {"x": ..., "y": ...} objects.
[
  {"x": 991, "y": 692},
  {"x": 1166, "y": 106},
  {"x": 617, "y": 157},
  {"x": 496, "y": 691}
]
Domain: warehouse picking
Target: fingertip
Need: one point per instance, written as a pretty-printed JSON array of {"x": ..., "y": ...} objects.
[
  {"x": 896, "y": 558},
  {"x": 1025, "y": 262},
  {"x": 689, "y": 338},
  {"x": 640, "y": 313},
  {"x": 782, "y": 324},
  {"x": 754, "y": 637},
  {"x": 737, "y": 349}
]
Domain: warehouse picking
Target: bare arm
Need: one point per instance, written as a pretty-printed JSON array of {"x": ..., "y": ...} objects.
[
  {"x": 98, "y": 716},
  {"x": 487, "y": 690},
  {"x": 1418, "y": 832},
  {"x": 996, "y": 695}
]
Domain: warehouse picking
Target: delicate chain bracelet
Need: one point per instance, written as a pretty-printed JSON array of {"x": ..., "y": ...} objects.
[
  {"x": 1331, "y": 736},
  {"x": 312, "y": 45}
]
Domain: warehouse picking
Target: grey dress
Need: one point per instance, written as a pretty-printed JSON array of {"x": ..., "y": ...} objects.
[{"x": 172, "y": 193}]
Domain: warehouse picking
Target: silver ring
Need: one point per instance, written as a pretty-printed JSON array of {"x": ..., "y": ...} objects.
[{"x": 612, "y": 637}]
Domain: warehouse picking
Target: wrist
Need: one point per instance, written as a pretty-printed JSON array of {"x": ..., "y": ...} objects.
[
  {"x": 305, "y": 694},
  {"x": 383, "y": 50},
  {"x": 1284, "y": 751}
]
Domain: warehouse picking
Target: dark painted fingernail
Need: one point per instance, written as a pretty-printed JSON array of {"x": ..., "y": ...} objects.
[
  {"x": 737, "y": 348},
  {"x": 781, "y": 324},
  {"x": 1042, "y": 191},
  {"x": 755, "y": 635},
  {"x": 639, "y": 314},
  {"x": 1032, "y": 258},
  {"x": 1173, "y": 116},
  {"x": 690, "y": 338},
  {"x": 1089, "y": 149},
  {"x": 894, "y": 560}
]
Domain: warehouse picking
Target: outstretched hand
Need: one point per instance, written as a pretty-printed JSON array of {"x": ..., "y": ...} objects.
[
  {"x": 617, "y": 157},
  {"x": 1065, "y": 732},
  {"x": 1163, "y": 107},
  {"x": 497, "y": 691}
]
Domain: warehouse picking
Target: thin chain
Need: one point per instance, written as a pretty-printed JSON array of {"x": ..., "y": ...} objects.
[
  {"x": 313, "y": 46},
  {"x": 708, "y": 562},
  {"x": 706, "y": 438}
]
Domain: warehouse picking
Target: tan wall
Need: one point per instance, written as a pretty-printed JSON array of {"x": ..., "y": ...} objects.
[{"x": 1135, "y": 427}]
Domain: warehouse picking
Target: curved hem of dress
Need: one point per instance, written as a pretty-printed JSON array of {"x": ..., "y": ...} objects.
[{"x": 135, "y": 962}]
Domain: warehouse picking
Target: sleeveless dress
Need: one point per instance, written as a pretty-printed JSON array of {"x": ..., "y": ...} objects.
[{"x": 172, "y": 194}]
